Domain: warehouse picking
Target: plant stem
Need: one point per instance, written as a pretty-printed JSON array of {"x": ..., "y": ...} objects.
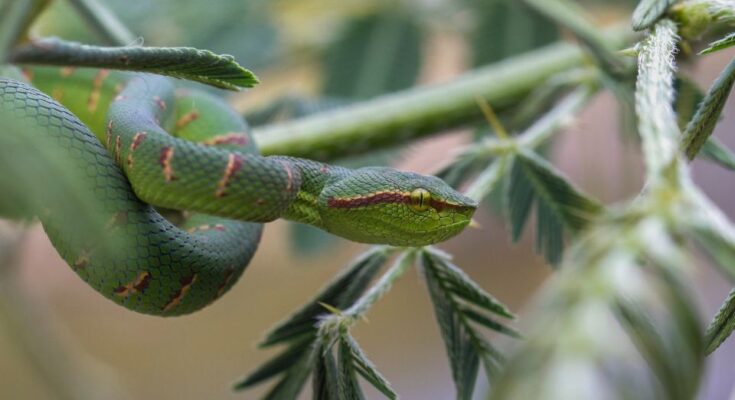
[
  {"x": 488, "y": 179},
  {"x": 363, "y": 304},
  {"x": 555, "y": 119},
  {"x": 420, "y": 111},
  {"x": 654, "y": 98}
]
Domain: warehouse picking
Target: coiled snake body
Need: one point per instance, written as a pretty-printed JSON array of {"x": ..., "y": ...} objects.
[{"x": 185, "y": 150}]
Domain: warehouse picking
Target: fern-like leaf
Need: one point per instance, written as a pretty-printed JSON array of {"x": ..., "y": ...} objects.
[
  {"x": 279, "y": 364},
  {"x": 340, "y": 294},
  {"x": 648, "y": 12},
  {"x": 304, "y": 353},
  {"x": 722, "y": 324},
  {"x": 714, "y": 150},
  {"x": 363, "y": 366},
  {"x": 703, "y": 123},
  {"x": 559, "y": 205},
  {"x": 465, "y": 346},
  {"x": 203, "y": 66},
  {"x": 724, "y": 43}
]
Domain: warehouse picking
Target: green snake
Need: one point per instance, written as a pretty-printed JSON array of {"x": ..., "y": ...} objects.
[{"x": 183, "y": 149}]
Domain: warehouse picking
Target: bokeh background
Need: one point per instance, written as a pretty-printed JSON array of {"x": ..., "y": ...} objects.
[{"x": 56, "y": 333}]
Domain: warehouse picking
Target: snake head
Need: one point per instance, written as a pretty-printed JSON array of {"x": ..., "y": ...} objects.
[{"x": 386, "y": 206}]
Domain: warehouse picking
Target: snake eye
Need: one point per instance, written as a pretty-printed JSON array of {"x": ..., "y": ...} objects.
[{"x": 420, "y": 199}]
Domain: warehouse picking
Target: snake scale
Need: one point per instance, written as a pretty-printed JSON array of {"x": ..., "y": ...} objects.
[{"x": 146, "y": 147}]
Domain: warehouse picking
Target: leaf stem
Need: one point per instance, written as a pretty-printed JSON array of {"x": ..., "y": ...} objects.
[{"x": 399, "y": 267}]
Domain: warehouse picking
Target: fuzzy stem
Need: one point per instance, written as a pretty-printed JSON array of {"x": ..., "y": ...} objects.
[{"x": 654, "y": 97}]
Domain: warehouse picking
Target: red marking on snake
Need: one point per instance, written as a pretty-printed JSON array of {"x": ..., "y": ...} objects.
[
  {"x": 139, "y": 136},
  {"x": 187, "y": 118},
  {"x": 289, "y": 184},
  {"x": 117, "y": 149},
  {"x": 369, "y": 200},
  {"x": 57, "y": 94},
  {"x": 109, "y": 134},
  {"x": 167, "y": 153},
  {"x": 234, "y": 164},
  {"x": 82, "y": 261},
  {"x": 178, "y": 296},
  {"x": 119, "y": 219},
  {"x": 207, "y": 227},
  {"x": 234, "y": 138},
  {"x": 324, "y": 169},
  {"x": 138, "y": 285},
  {"x": 94, "y": 97},
  {"x": 159, "y": 102},
  {"x": 66, "y": 71},
  {"x": 228, "y": 278}
]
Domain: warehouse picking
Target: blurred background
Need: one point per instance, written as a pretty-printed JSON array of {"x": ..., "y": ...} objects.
[{"x": 339, "y": 52}]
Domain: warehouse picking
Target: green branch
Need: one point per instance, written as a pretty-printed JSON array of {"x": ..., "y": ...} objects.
[{"x": 420, "y": 111}]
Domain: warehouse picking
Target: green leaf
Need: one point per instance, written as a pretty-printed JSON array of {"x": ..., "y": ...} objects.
[
  {"x": 465, "y": 347},
  {"x": 710, "y": 228},
  {"x": 349, "y": 389},
  {"x": 489, "y": 323},
  {"x": 703, "y": 123},
  {"x": 715, "y": 151},
  {"x": 719, "y": 247},
  {"x": 364, "y": 367},
  {"x": 724, "y": 43},
  {"x": 609, "y": 326},
  {"x": 324, "y": 382},
  {"x": 559, "y": 205},
  {"x": 461, "y": 285},
  {"x": 377, "y": 54},
  {"x": 673, "y": 345},
  {"x": 463, "y": 360},
  {"x": 278, "y": 364},
  {"x": 180, "y": 62},
  {"x": 722, "y": 324},
  {"x": 649, "y": 12},
  {"x": 688, "y": 98},
  {"x": 506, "y": 28},
  {"x": 293, "y": 381},
  {"x": 340, "y": 293}
]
